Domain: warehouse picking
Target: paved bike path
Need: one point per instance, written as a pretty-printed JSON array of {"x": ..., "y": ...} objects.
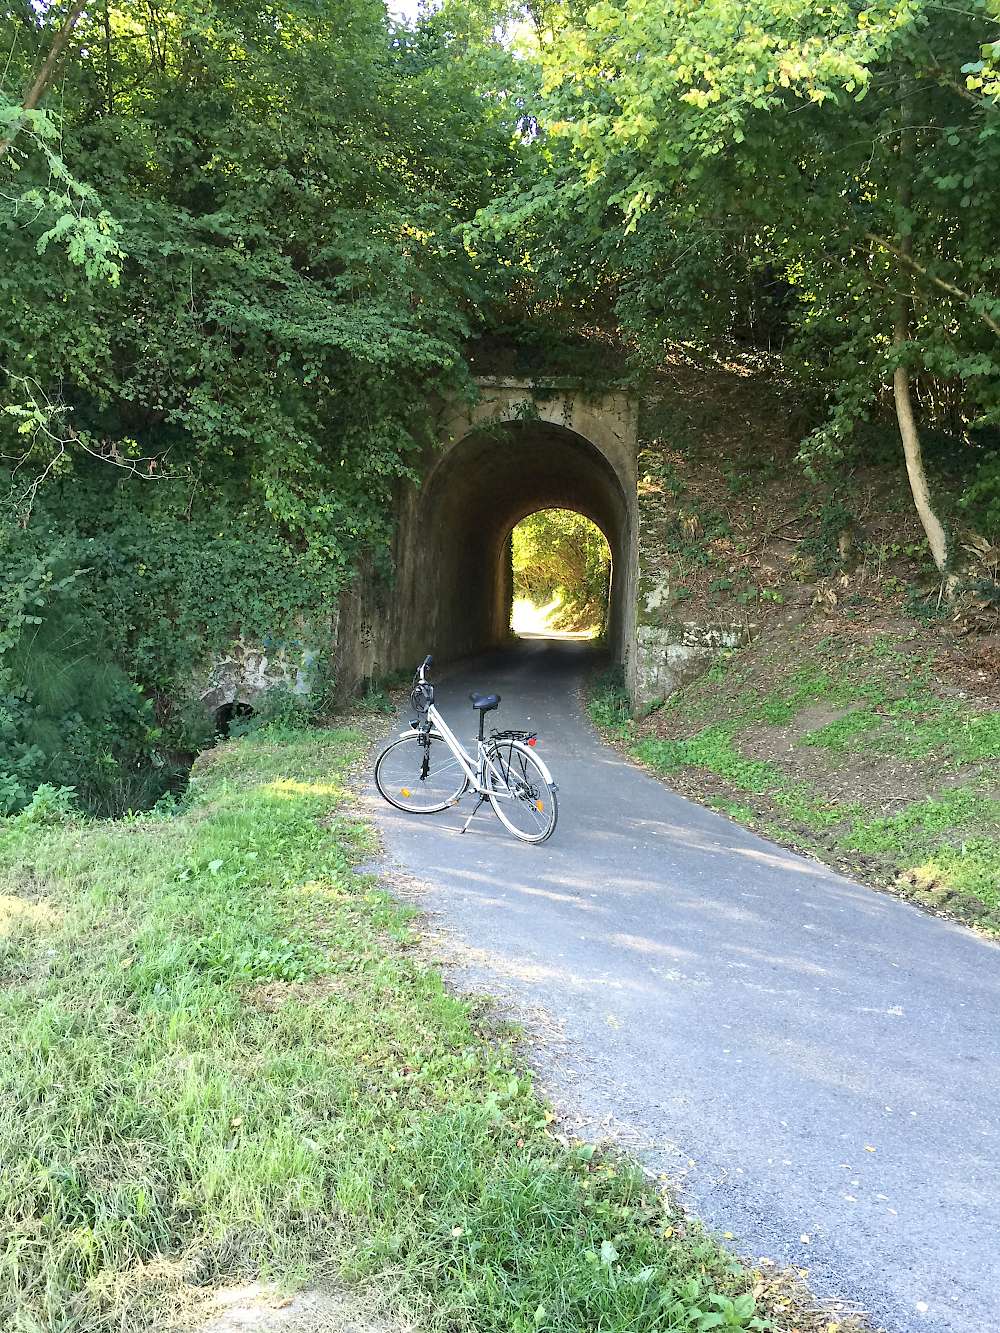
[{"x": 818, "y": 1061}]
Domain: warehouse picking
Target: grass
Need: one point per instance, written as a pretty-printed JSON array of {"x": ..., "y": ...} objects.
[
  {"x": 918, "y": 725},
  {"x": 712, "y": 749},
  {"x": 222, "y": 1056},
  {"x": 608, "y": 704}
]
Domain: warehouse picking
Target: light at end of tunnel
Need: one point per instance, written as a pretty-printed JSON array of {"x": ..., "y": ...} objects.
[{"x": 527, "y": 618}]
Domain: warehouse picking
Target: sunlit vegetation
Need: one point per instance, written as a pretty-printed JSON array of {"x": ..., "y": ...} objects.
[
  {"x": 562, "y": 574},
  {"x": 246, "y": 249}
]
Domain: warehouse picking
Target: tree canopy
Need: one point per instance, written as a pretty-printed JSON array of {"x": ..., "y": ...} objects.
[
  {"x": 822, "y": 178},
  {"x": 272, "y": 192}
]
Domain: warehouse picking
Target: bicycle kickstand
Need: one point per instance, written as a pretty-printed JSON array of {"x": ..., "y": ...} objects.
[{"x": 475, "y": 810}]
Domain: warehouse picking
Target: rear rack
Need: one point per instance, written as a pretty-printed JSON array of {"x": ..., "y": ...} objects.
[{"x": 513, "y": 735}]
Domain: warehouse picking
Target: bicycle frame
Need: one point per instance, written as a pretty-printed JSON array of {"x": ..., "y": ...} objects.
[{"x": 474, "y": 772}]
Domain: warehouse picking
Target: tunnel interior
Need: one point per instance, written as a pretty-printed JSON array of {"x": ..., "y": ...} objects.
[{"x": 462, "y": 588}]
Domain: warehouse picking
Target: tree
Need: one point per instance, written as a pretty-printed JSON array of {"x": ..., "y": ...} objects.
[
  {"x": 712, "y": 145},
  {"x": 287, "y": 184},
  {"x": 221, "y": 353},
  {"x": 43, "y": 78}
]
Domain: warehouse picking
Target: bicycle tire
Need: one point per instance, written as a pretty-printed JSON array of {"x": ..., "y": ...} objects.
[
  {"x": 399, "y": 781},
  {"x": 524, "y": 791}
]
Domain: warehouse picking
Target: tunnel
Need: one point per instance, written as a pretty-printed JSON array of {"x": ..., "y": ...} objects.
[
  {"x": 458, "y": 587},
  {"x": 515, "y": 447}
]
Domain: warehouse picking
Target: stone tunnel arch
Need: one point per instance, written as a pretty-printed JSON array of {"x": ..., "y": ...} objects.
[
  {"x": 519, "y": 448},
  {"x": 469, "y": 506}
]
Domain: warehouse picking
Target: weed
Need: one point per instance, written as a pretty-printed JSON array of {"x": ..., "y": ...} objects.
[
  {"x": 800, "y": 803},
  {"x": 917, "y": 725},
  {"x": 843, "y": 733},
  {"x": 916, "y": 824},
  {"x": 745, "y": 814},
  {"x": 968, "y": 870},
  {"x": 711, "y": 748},
  {"x": 609, "y": 705}
]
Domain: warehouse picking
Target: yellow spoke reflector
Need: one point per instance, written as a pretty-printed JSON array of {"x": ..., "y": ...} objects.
[
  {"x": 404, "y": 791},
  {"x": 539, "y": 805}
]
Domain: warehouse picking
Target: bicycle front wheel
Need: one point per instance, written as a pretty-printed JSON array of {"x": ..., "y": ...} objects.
[
  {"x": 522, "y": 799},
  {"x": 420, "y": 774}
]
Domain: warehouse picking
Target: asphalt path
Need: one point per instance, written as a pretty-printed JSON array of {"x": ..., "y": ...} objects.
[{"x": 818, "y": 1063}]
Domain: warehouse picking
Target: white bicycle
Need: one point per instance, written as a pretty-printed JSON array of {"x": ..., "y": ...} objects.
[{"x": 427, "y": 769}]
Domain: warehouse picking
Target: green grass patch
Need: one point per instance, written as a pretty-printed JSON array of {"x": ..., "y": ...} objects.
[
  {"x": 845, "y": 732},
  {"x": 918, "y": 725},
  {"x": 221, "y": 1057},
  {"x": 947, "y": 847},
  {"x": 971, "y": 870},
  {"x": 712, "y": 749},
  {"x": 608, "y": 704},
  {"x": 924, "y": 821},
  {"x": 745, "y": 814}
]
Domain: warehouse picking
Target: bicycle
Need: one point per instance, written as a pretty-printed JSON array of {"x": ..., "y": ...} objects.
[{"x": 427, "y": 769}]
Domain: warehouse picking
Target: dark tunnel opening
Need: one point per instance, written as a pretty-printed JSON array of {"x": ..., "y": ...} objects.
[{"x": 461, "y": 591}]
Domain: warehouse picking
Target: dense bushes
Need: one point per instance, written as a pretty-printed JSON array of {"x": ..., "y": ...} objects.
[
  {"x": 220, "y": 353},
  {"x": 114, "y": 600}
]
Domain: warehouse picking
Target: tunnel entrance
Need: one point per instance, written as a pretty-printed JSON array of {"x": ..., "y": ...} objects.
[
  {"x": 461, "y": 587},
  {"x": 515, "y": 448},
  {"x": 561, "y": 564}
]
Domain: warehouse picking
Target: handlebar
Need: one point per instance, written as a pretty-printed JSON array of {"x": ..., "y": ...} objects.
[{"x": 422, "y": 694}]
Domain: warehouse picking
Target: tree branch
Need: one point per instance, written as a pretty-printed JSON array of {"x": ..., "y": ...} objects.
[
  {"x": 922, "y": 272},
  {"x": 44, "y": 77}
]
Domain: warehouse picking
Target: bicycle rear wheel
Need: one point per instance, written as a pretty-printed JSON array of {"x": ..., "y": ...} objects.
[
  {"x": 521, "y": 798},
  {"x": 420, "y": 774}
]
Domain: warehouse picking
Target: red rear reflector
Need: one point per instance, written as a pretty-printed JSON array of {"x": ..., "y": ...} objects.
[{"x": 533, "y": 740}]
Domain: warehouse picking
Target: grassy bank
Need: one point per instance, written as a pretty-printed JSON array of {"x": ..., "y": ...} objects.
[
  {"x": 851, "y": 745},
  {"x": 222, "y": 1056}
]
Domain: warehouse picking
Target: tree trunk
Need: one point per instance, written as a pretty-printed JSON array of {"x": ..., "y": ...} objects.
[
  {"x": 44, "y": 77},
  {"x": 937, "y": 538}
]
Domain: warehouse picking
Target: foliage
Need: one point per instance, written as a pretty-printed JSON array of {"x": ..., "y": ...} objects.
[
  {"x": 561, "y": 556},
  {"x": 222, "y": 1055},
  {"x": 69, "y": 716},
  {"x": 290, "y": 290},
  {"x": 116, "y": 598},
  {"x": 62, "y": 210},
  {"x": 708, "y": 172},
  {"x": 608, "y": 704},
  {"x": 232, "y": 287}
]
